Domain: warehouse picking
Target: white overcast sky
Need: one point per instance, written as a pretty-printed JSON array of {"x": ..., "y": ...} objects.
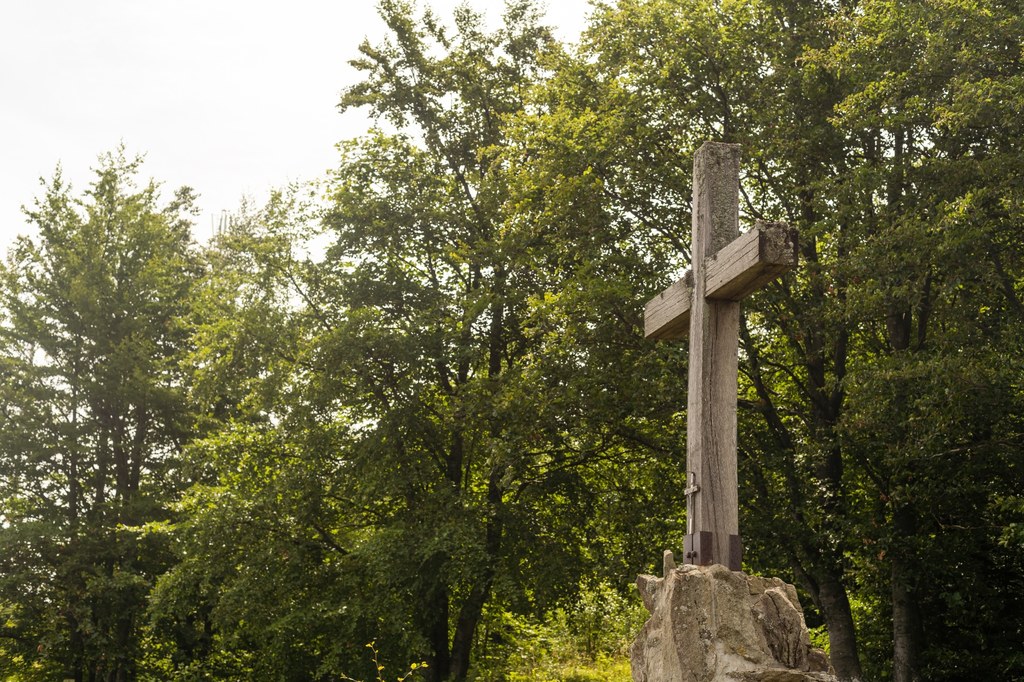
[{"x": 231, "y": 97}]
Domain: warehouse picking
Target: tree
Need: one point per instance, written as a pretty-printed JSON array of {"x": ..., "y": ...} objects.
[
  {"x": 262, "y": 576},
  {"x": 475, "y": 433},
  {"x": 450, "y": 422},
  {"x": 450, "y": 442},
  {"x": 945, "y": 266},
  {"x": 849, "y": 129},
  {"x": 93, "y": 418},
  {"x": 652, "y": 82}
]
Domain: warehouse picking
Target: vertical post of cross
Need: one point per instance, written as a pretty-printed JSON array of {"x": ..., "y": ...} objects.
[
  {"x": 714, "y": 350},
  {"x": 704, "y": 307}
]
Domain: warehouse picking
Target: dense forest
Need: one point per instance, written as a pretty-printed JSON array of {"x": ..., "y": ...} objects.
[{"x": 403, "y": 421}]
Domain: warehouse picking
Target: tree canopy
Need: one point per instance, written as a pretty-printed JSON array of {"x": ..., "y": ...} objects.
[{"x": 414, "y": 409}]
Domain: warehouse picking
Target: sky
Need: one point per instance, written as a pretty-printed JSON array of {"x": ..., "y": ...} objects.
[{"x": 230, "y": 97}]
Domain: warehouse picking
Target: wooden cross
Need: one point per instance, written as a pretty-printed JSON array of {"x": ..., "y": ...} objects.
[{"x": 726, "y": 267}]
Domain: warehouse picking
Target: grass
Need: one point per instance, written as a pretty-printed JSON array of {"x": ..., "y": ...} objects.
[{"x": 603, "y": 670}]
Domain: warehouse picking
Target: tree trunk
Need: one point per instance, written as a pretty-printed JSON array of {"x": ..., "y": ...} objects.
[
  {"x": 825, "y": 586},
  {"x": 906, "y": 615},
  {"x": 77, "y": 646},
  {"x": 472, "y": 609},
  {"x": 465, "y": 629},
  {"x": 138, "y": 449},
  {"x": 829, "y": 595},
  {"x": 434, "y": 619},
  {"x": 842, "y": 637}
]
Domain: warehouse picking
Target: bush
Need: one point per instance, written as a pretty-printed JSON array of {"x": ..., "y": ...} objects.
[{"x": 585, "y": 642}]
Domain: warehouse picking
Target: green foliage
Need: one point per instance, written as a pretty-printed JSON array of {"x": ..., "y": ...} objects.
[
  {"x": 413, "y": 667},
  {"x": 445, "y": 433},
  {"x": 588, "y": 639},
  {"x": 94, "y": 328}
]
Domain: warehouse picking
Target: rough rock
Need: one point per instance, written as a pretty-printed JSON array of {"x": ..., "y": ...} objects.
[{"x": 711, "y": 624}]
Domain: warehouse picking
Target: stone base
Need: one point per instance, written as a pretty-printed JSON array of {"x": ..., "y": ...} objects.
[{"x": 711, "y": 624}]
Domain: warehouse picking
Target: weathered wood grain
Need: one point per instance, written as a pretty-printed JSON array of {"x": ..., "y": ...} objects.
[
  {"x": 667, "y": 315},
  {"x": 714, "y": 353},
  {"x": 727, "y": 267},
  {"x": 750, "y": 261}
]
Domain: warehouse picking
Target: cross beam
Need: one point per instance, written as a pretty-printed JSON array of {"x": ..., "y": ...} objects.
[{"x": 704, "y": 306}]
